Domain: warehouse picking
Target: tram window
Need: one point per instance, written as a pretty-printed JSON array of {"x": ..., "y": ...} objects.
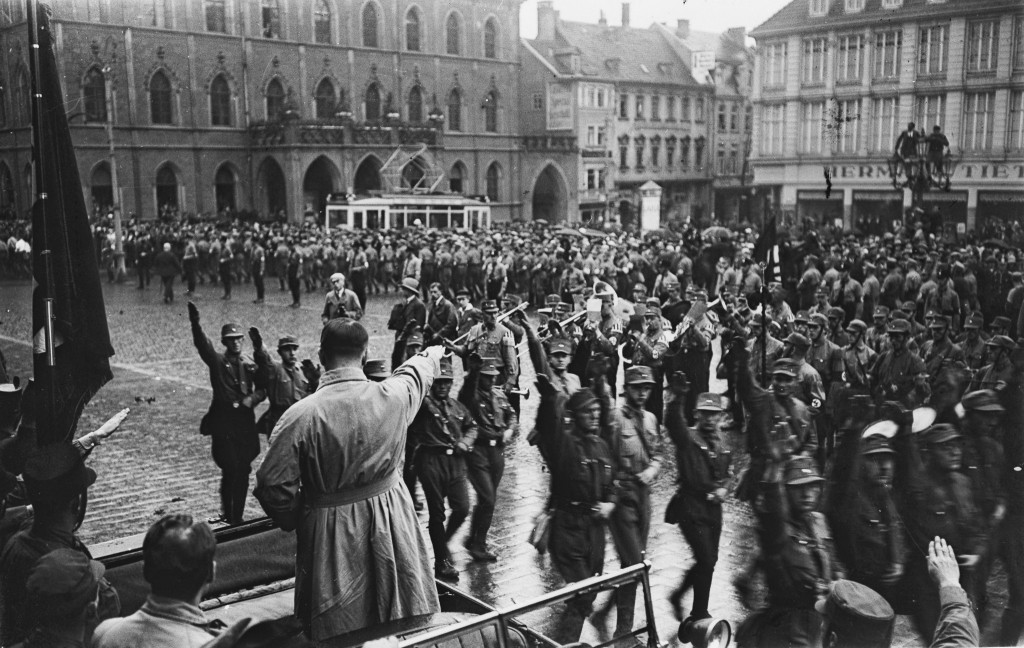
[
  {"x": 397, "y": 219},
  {"x": 373, "y": 220},
  {"x": 438, "y": 219},
  {"x": 357, "y": 219},
  {"x": 458, "y": 219}
]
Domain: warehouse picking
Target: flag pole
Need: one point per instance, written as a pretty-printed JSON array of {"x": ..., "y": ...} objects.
[
  {"x": 39, "y": 170},
  {"x": 764, "y": 334}
]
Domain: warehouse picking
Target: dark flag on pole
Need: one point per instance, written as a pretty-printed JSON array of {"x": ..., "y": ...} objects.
[
  {"x": 766, "y": 252},
  {"x": 68, "y": 291}
]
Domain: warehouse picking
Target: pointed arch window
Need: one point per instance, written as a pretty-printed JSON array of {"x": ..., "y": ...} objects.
[
  {"x": 372, "y": 103},
  {"x": 455, "y": 110},
  {"x": 453, "y": 34},
  {"x": 493, "y": 182},
  {"x": 322, "y": 23},
  {"x": 220, "y": 101},
  {"x": 94, "y": 95},
  {"x": 160, "y": 99},
  {"x": 326, "y": 101},
  {"x": 412, "y": 30},
  {"x": 490, "y": 39},
  {"x": 3, "y": 103},
  {"x": 415, "y": 105},
  {"x": 275, "y": 100},
  {"x": 370, "y": 20},
  {"x": 491, "y": 112},
  {"x": 21, "y": 101}
]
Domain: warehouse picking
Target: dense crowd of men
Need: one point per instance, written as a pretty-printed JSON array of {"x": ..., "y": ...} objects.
[{"x": 872, "y": 417}]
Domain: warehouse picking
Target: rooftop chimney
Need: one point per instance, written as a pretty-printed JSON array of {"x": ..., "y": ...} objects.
[
  {"x": 683, "y": 28},
  {"x": 625, "y": 14},
  {"x": 547, "y": 17},
  {"x": 602, "y": 20}
]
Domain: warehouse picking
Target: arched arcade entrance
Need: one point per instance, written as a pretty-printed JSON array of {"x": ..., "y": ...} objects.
[
  {"x": 367, "y": 176},
  {"x": 321, "y": 180},
  {"x": 271, "y": 188},
  {"x": 549, "y": 196}
]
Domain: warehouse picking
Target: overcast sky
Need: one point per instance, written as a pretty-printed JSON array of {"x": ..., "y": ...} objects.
[{"x": 704, "y": 15}]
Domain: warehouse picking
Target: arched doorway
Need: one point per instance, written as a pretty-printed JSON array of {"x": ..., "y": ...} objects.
[
  {"x": 321, "y": 180},
  {"x": 412, "y": 174},
  {"x": 549, "y": 196},
  {"x": 367, "y": 177},
  {"x": 271, "y": 188},
  {"x": 101, "y": 187},
  {"x": 224, "y": 188}
]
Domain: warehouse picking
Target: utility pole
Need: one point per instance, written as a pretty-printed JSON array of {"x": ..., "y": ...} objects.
[{"x": 119, "y": 268}]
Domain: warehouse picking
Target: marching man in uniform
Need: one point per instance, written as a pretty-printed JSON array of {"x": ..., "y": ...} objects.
[{"x": 231, "y": 420}]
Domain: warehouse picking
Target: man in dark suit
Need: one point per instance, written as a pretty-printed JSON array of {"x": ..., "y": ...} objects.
[
  {"x": 404, "y": 320},
  {"x": 442, "y": 320}
]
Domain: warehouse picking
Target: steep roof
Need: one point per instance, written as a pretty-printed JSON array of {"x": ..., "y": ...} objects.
[
  {"x": 796, "y": 17},
  {"x": 615, "y": 54}
]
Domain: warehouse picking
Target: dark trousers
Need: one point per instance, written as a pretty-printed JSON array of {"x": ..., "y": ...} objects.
[
  {"x": 225, "y": 279},
  {"x": 190, "y": 273},
  {"x": 1011, "y": 550},
  {"x": 144, "y": 274},
  {"x": 235, "y": 445},
  {"x": 630, "y": 525},
  {"x": 485, "y": 466},
  {"x": 296, "y": 287},
  {"x": 257, "y": 280},
  {"x": 703, "y": 539},
  {"x": 359, "y": 287},
  {"x": 168, "y": 287},
  {"x": 398, "y": 354},
  {"x": 443, "y": 476},
  {"x": 577, "y": 550}
]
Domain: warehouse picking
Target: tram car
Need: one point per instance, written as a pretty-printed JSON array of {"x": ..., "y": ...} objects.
[{"x": 398, "y": 210}]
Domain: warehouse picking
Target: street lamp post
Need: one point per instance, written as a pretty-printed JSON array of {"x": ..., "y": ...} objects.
[
  {"x": 922, "y": 171},
  {"x": 119, "y": 267}
]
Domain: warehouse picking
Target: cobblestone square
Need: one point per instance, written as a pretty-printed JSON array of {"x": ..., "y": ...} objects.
[{"x": 158, "y": 463}]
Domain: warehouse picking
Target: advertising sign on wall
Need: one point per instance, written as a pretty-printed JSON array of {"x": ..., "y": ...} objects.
[{"x": 560, "y": 115}]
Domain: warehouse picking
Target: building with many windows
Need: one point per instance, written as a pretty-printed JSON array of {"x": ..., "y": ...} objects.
[
  {"x": 836, "y": 81},
  {"x": 272, "y": 105},
  {"x": 724, "y": 62},
  {"x": 604, "y": 110}
]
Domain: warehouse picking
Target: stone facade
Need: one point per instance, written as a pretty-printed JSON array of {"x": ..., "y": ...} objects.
[
  {"x": 267, "y": 105},
  {"x": 836, "y": 81},
  {"x": 615, "y": 107}
]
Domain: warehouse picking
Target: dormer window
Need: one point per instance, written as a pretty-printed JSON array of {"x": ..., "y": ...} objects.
[
  {"x": 644, "y": 69},
  {"x": 854, "y": 6},
  {"x": 892, "y": 4},
  {"x": 612, "y": 64},
  {"x": 665, "y": 68},
  {"x": 819, "y": 7}
]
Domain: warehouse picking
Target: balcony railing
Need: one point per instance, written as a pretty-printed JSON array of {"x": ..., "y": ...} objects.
[{"x": 338, "y": 132}]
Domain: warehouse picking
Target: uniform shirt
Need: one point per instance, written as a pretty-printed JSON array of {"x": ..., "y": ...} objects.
[
  {"x": 633, "y": 453},
  {"x": 774, "y": 352},
  {"x": 702, "y": 461},
  {"x": 566, "y": 383},
  {"x": 983, "y": 463},
  {"x": 497, "y": 343},
  {"x": 974, "y": 353},
  {"x": 935, "y": 355},
  {"x": 285, "y": 385},
  {"x": 894, "y": 377},
  {"x": 442, "y": 424},
  {"x": 877, "y": 338},
  {"x": 811, "y": 391},
  {"x": 490, "y": 409},
  {"x": 857, "y": 363},
  {"x": 231, "y": 377},
  {"x": 827, "y": 360}
]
